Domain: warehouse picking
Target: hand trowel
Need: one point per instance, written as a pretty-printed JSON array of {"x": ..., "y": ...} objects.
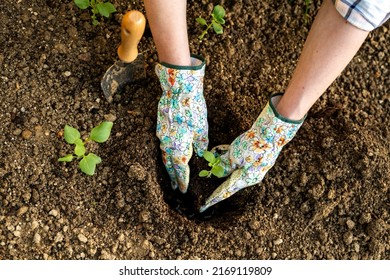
[{"x": 131, "y": 66}]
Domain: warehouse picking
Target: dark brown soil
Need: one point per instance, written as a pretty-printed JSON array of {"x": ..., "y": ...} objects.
[{"x": 327, "y": 197}]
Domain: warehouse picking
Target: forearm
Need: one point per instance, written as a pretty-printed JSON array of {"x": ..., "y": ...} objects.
[
  {"x": 168, "y": 22},
  {"x": 330, "y": 46}
]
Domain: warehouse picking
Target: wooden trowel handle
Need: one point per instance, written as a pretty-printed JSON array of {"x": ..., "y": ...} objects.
[{"x": 132, "y": 29}]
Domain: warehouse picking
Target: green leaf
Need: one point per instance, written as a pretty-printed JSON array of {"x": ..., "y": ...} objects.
[
  {"x": 79, "y": 149},
  {"x": 71, "y": 134},
  {"x": 101, "y": 133},
  {"x": 105, "y": 9},
  {"x": 219, "y": 12},
  {"x": 110, "y": 7},
  {"x": 209, "y": 156},
  {"x": 220, "y": 20},
  {"x": 217, "y": 27},
  {"x": 204, "y": 173},
  {"x": 202, "y": 21},
  {"x": 67, "y": 158},
  {"x": 218, "y": 171},
  {"x": 89, "y": 162},
  {"x": 82, "y": 4}
]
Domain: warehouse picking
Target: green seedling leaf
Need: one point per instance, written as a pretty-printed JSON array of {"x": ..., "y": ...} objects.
[
  {"x": 88, "y": 163},
  {"x": 82, "y": 4},
  {"x": 220, "y": 20},
  {"x": 67, "y": 158},
  {"x": 213, "y": 162},
  {"x": 216, "y": 21},
  {"x": 105, "y": 9},
  {"x": 101, "y": 9},
  {"x": 217, "y": 27},
  {"x": 217, "y": 171},
  {"x": 219, "y": 12},
  {"x": 71, "y": 134},
  {"x": 204, "y": 173},
  {"x": 97, "y": 7},
  {"x": 202, "y": 21},
  {"x": 79, "y": 149},
  {"x": 101, "y": 133},
  {"x": 110, "y": 7},
  {"x": 209, "y": 156}
]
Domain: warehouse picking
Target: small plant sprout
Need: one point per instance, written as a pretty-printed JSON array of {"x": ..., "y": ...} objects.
[
  {"x": 307, "y": 4},
  {"x": 217, "y": 20},
  {"x": 99, "y": 134},
  {"x": 213, "y": 161},
  {"x": 97, "y": 7},
  {"x": 306, "y": 13}
]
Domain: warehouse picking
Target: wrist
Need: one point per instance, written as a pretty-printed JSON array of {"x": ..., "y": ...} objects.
[
  {"x": 196, "y": 62},
  {"x": 286, "y": 111}
]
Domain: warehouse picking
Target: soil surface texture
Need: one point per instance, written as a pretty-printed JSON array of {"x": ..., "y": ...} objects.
[{"x": 327, "y": 197}]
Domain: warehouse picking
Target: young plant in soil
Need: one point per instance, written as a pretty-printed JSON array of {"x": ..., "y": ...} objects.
[
  {"x": 307, "y": 4},
  {"x": 213, "y": 162},
  {"x": 306, "y": 13},
  {"x": 99, "y": 134},
  {"x": 217, "y": 20},
  {"x": 97, "y": 7}
]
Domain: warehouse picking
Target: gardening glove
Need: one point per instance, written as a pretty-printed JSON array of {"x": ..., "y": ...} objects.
[
  {"x": 181, "y": 118},
  {"x": 254, "y": 152}
]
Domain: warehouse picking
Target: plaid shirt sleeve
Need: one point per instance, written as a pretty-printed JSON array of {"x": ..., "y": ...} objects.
[{"x": 364, "y": 14}]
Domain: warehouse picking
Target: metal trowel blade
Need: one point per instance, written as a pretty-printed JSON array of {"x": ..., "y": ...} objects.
[{"x": 120, "y": 74}]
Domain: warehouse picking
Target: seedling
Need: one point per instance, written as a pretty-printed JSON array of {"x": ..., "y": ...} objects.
[
  {"x": 217, "y": 20},
  {"x": 97, "y": 7},
  {"x": 214, "y": 162},
  {"x": 306, "y": 8},
  {"x": 306, "y": 13},
  {"x": 88, "y": 162}
]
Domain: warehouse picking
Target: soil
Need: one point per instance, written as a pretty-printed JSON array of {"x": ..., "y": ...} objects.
[{"x": 327, "y": 197}]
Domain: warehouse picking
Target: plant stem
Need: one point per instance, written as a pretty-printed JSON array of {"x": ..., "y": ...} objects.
[{"x": 205, "y": 31}]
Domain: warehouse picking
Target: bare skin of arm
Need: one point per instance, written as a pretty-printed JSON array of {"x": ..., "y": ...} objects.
[
  {"x": 330, "y": 46},
  {"x": 168, "y": 22}
]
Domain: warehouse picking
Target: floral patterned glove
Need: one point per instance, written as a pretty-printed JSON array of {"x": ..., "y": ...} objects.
[
  {"x": 181, "y": 118},
  {"x": 254, "y": 152}
]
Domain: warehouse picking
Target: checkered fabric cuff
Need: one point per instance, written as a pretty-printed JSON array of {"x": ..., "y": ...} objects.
[{"x": 364, "y": 14}]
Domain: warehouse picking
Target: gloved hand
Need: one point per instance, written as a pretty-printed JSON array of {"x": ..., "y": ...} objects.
[
  {"x": 181, "y": 118},
  {"x": 254, "y": 152}
]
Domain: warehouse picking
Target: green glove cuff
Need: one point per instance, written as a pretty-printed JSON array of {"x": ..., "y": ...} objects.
[
  {"x": 273, "y": 101},
  {"x": 197, "y": 63}
]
